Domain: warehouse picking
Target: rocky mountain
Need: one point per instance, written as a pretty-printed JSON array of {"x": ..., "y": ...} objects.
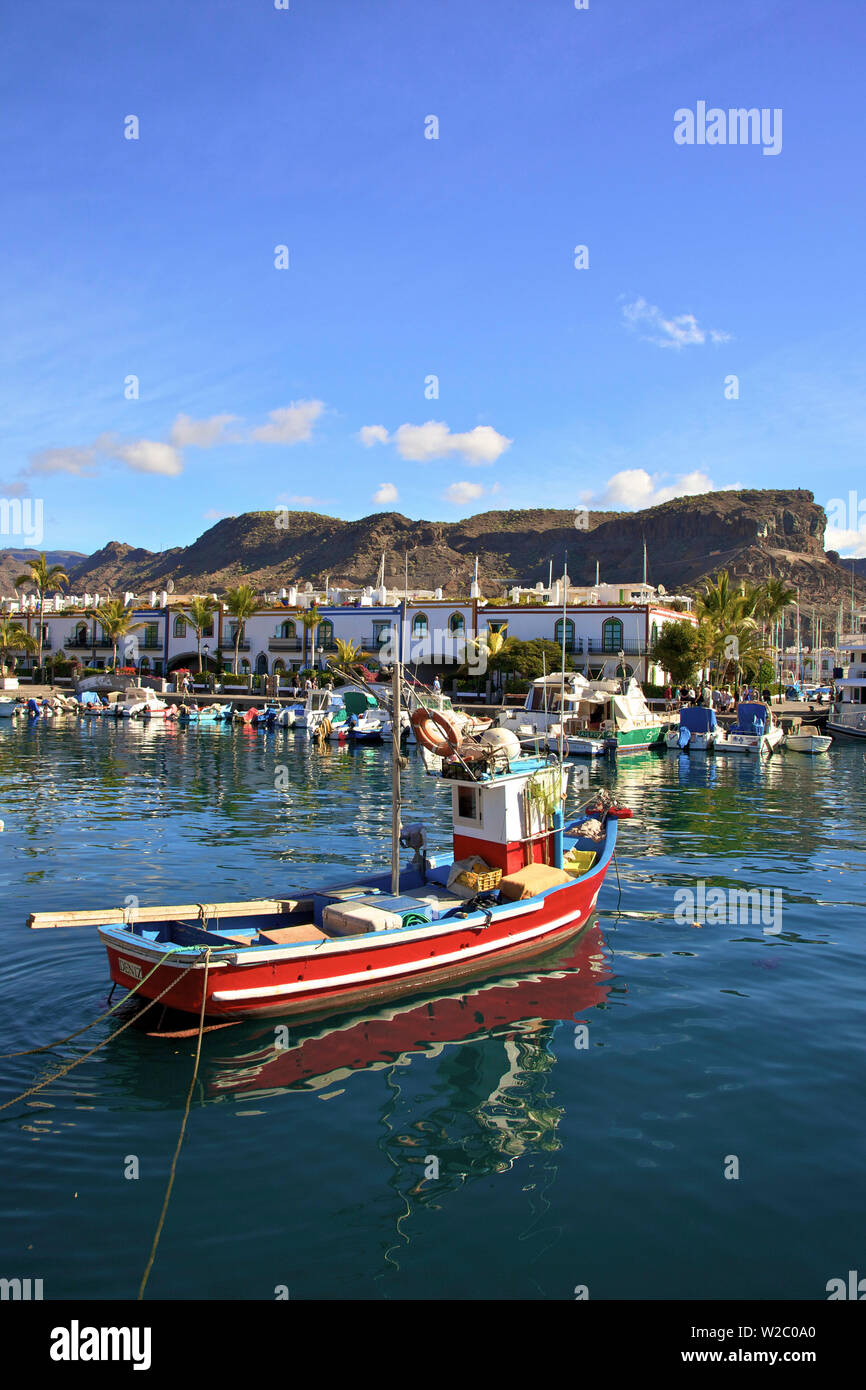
[
  {"x": 15, "y": 562},
  {"x": 753, "y": 534}
]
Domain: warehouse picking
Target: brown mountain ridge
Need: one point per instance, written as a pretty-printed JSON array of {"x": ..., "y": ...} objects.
[{"x": 751, "y": 533}]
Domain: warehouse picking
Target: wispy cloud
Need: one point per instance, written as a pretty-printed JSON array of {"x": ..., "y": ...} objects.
[
  {"x": 290, "y": 424},
  {"x": 683, "y": 330},
  {"x": 80, "y": 462},
  {"x": 434, "y": 440},
  {"x": 140, "y": 455},
  {"x": 200, "y": 434},
  {"x": 287, "y": 425}
]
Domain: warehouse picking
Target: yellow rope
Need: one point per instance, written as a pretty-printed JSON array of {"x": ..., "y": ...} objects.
[
  {"x": 180, "y": 1137},
  {"x": 49, "y": 1047},
  {"x": 55, "y": 1076}
]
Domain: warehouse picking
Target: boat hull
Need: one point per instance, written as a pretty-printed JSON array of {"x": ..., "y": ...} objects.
[
  {"x": 339, "y": 974},
  {"x": 762, "y": 744},
  {"x": 698, "y": 743},
  {"x": 808, "y": 743},
  {"x": 852, "y": 730},
  {"x": 623, "y": 741}
]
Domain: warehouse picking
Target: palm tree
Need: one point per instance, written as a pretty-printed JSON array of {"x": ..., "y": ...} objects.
[
  {"x": 311, "y": 619},
  {"x": 116, "y": 621},
  {"x": 199, "y": 615},
  {"x": 42, "y": 577},
  {"x": 347, "y": 652},
  {"x": 773, "y": 599},
  {"x": 242, "y": 604},
  {"x": 493, "y": 648},
  {"x": 13, "y": 638}
]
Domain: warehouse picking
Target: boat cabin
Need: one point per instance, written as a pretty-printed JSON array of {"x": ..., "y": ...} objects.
[{"x": 509, "y": 819}]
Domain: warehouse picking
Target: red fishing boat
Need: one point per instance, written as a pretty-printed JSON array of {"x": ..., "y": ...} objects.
[{"x": 510, "y": 890}]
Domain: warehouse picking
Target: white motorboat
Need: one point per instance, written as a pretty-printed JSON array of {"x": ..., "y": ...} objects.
[
  {"x": 804, "y": 741},
  {"x": 140, "y": 703},
  {"x": 696, "y": 732},
  {"x": 9, "y": 708},
  {"x": 848, "y": 714},
  {"x": 603, "y": 718},
  {"x": 756, "y": 731},
  {"x": 318, "y": 706}
]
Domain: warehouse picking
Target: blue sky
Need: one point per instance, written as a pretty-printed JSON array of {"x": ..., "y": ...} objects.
[{"x": 412, "y": 257}]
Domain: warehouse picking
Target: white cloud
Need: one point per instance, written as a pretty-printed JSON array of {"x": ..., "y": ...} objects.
[
  {"x": 373, "y": 434},
  {"x": 463, "y": 494},
  {"x": 213, "y": 515},
  {"x": 141, "y": 455},
  {"x": 848, "y": 543},
  {"x": 385, "y": 493},
  {"x": 291, "y": 424},
  {"x": 149, "y": 456},
  {"x": 681, "y": 331},
  {"x": 421, "y": 443},
  {"x": 634, "y": 488},
  {"x": 287, "y": 425},
  {"x": 200, "y": 434}
]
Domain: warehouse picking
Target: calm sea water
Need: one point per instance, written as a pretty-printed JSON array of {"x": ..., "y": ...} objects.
[{"x": 560, "y": 1164}]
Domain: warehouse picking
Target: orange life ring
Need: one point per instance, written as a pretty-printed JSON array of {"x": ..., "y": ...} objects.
[{"x": 425, "y": 722}]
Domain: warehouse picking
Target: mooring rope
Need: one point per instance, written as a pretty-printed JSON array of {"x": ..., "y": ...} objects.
[
  {"x": 55, "y": 1076},
  {"x": 49, "y": 1047},
  {"x": 180, "y": 1137}
]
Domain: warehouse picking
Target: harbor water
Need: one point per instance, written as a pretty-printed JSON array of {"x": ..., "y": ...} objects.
[{"x": 668, "y": 1107}]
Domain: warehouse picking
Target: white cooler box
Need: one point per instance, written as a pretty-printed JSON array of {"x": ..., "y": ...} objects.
[{"x": 375, "y": 913}]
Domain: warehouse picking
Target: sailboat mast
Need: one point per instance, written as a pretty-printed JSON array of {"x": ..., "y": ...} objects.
[
  {"x": 396, "y": 809},
  {"x": 562, "y": 682}
]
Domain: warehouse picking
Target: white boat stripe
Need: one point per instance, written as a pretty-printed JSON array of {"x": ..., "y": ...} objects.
[{"x": 390, "y": 971}]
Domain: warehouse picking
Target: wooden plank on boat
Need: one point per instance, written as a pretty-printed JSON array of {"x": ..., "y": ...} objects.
[{"x": 95, "y": 917}]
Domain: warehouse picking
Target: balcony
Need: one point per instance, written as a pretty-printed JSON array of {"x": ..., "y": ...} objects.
[
  {"x": 284, "y": 644},
  {"x": 229, "y": 643},
  {"x": 596, "y": 647},
  {"x": 77, "y": 644}
]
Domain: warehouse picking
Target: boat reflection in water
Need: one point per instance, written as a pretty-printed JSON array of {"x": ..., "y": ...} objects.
[
  {"x": 492, "y": 1100},
  {"x": 522, "y": 1007}
]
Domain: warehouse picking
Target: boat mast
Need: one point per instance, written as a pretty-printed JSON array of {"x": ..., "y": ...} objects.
[
  {"x": 562, "y": 682},
  {"x": 396, "y": 679}
]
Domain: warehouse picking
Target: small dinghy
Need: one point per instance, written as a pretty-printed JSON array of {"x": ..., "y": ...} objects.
[{"x": 805, "y": 742}]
